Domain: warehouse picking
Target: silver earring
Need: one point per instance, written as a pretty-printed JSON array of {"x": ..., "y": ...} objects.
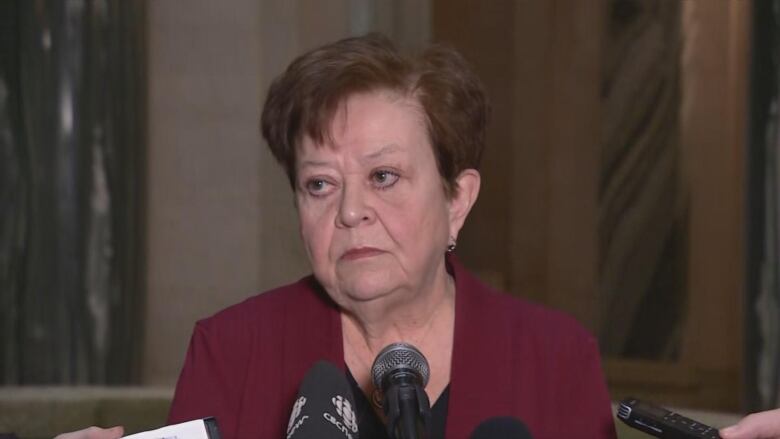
[{"x": 451, "y": 246}]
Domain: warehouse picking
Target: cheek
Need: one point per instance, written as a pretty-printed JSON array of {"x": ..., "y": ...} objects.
[
  {"x": 314, "y": 229},
  {"x": 421, "y": 222},
  {"x": 434, "y": 228}
]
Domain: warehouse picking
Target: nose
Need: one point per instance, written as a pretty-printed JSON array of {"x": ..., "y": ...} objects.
[{"x": 354, "y": 208}]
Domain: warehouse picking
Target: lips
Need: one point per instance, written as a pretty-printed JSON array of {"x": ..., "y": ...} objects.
[{"x": 360, "y": 253}]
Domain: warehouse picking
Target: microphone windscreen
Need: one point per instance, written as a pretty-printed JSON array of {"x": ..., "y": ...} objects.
[
  {"x": 324, "y": 407},
  {"x": 504, "y": 427},
  {"x": 397, "y": 357}
]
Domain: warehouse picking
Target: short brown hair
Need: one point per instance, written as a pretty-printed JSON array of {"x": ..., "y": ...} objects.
[{"x": 303, "y": 100}]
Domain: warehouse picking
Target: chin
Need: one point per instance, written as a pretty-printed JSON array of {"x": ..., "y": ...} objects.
[{"x": 368, "y": 285}]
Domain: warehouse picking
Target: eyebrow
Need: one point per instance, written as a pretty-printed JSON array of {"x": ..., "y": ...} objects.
[
  {"x": 313, "y": 163},
  {"x": 387, "y": 149}
]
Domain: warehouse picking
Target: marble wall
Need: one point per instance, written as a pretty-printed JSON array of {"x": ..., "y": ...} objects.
[
  {"x": 762, "y": 313},
  {"x": 72, "y": 122},
  {"x": 643, "y": 198}
]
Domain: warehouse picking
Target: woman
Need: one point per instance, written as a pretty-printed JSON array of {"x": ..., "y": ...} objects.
[{"x": 382, "y": 152}]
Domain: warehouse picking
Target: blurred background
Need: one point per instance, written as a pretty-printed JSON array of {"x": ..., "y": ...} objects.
[{"x": 630, "y": 179}]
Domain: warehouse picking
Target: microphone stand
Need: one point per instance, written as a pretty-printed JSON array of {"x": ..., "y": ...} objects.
[{"x": 407, "y": 408}]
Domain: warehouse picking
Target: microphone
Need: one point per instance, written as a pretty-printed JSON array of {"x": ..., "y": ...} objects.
[
  {"x": 401, "y": 372},
  {"x": 324, "y": 408},
  {"x": 503, "y": 427}
]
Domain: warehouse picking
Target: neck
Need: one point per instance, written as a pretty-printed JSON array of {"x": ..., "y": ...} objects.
[
  {"x": 426, "y": 320},
  {"x": 416, "y": 317}
]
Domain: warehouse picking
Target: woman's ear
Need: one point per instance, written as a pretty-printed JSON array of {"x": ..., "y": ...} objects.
[{"x": 466, "y": 192}]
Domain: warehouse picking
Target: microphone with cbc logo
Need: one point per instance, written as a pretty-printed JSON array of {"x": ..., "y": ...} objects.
[{"x": 324, "y": 407}]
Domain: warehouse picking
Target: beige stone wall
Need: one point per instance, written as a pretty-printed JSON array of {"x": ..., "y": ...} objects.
[
  {"x": 221, "y": 224},
  {"x": 216, "y": 206}
]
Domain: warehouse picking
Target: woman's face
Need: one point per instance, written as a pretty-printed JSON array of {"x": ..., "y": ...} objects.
[{"x": 373, "y": 213}]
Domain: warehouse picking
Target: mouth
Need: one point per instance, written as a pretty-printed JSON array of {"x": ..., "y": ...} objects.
[{"x": 360, "y": 253}]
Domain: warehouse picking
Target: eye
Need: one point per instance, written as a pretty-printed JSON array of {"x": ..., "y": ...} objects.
[
  {"x": 384, "y": 178},
  {"x": 318, "y": 187}
]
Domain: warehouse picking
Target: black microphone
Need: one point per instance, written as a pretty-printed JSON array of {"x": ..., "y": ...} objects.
[
  {"x": 324, "y": 408},
  {"x": 401, "y": 372},
  {"x": 504, "y": 427}
]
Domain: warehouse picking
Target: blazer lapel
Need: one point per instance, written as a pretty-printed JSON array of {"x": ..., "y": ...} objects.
[
  {"x": 481, "y": 383},
  {"x": 312, "y": 331}
]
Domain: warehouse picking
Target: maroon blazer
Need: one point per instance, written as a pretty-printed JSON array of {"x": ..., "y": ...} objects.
[{"x": 510, "y": 358}]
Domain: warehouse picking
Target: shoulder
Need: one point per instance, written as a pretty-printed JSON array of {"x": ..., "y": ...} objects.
[
  {"x": 265, "y": 309},
  {"x": 522, "y": 325},
  {"x": 537, "y": 322},
  {"x": 545, "y": 322},
  {"x": 491, "y": 308}
]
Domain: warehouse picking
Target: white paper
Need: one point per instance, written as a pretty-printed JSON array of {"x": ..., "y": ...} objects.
[{"x": 186, "y": 430}]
